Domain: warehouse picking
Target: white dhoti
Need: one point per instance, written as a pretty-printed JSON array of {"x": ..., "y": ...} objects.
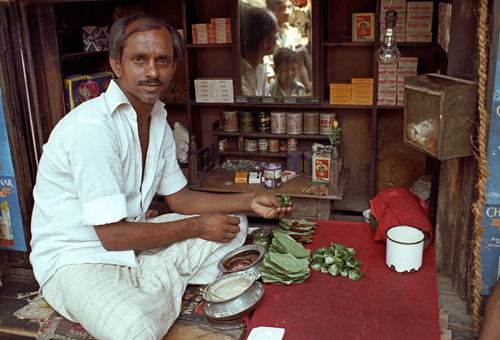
[{"x": 118, "y": 302}]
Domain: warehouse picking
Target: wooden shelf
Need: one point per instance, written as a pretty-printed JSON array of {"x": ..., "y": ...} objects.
[{"x": 257, "y": 134}]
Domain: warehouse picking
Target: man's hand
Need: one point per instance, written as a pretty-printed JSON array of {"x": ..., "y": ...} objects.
[
  {"x": 269, "y": 206},
  {"x": 217, "y": 227}
]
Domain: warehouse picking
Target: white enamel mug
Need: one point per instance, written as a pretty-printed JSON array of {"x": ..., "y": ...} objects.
[{"x": 405, "y": 246}]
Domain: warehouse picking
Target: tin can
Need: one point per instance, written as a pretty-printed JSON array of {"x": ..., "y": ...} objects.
[
  {"x": 272, "y": 176},
  {"x": 325, "y": 123},
  {"x": 278, "y": 121},
  {"x": 250, "y": 145},
  {"x": 294, "y": 122},
  {"x": 263, "y": 144},
  {"x": 247, "y": 123},
  {"x": 274, "y": 145},
  {"x": 308, "y": 168},
  {"x": 292, "y": 144},
  {"x": 241, "y": 143},
  {"x": 262, "y": 236},
  {"x": 264, "y": 121},
  {"x": 230, "y": 121},
  {"x": 283, "y": 144},
  {"x": 311, "y": 122},
  {"x": 295, "y": 161}
]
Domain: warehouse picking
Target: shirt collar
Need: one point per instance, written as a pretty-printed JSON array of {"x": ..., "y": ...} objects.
[{"x": 115, "y": 97}]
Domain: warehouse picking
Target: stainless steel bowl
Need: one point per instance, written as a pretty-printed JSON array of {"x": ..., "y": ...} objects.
[
  {"x": 244, "y": 258},
  {"x": 242, "y": 284}
]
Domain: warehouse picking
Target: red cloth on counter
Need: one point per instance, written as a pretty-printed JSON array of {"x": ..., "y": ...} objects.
[
  {"x": 381, "y": 305},
  {"x": 399, "y": 206}
]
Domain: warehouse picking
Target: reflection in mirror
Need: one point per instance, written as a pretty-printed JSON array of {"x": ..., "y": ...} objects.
[{"x": 275, "y": 50}]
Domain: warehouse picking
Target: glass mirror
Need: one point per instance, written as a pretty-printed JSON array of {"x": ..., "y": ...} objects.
[{"x": 275, "y": 38}]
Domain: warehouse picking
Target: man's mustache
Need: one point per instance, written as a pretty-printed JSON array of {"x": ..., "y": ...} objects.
[{"x": 151, "y": 82}]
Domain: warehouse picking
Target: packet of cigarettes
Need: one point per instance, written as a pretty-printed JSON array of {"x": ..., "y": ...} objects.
[{"x": 287, "y": 175}]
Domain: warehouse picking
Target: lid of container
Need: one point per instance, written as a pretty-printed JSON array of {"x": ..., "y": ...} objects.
[{"x": 272, "y": 166}]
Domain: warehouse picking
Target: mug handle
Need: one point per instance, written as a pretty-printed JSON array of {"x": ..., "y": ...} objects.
[{"x": 427, "y": 238}]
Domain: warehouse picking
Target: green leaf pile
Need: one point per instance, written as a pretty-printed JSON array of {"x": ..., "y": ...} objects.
[
  {"x": 300, "y": 230},
  {"x": 287, "y": 261},
  {"x": 338, "y": 259}
]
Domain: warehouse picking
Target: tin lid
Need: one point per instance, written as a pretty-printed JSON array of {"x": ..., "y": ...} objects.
[{"x": 272, "y": 166}]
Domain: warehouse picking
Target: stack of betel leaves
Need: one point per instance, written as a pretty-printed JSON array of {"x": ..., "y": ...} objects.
[
  {"x": 338, "y": 259},
  {"x": 300, "y": 230},
  {"x": 287, "y": 261}
]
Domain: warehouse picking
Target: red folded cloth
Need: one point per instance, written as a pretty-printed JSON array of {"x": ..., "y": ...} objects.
[{"x": 399, "y": 206}]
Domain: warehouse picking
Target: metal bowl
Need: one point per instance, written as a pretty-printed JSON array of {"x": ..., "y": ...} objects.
[
  {"x": 244, "y": 258},
  {"x": 242, "y": 284}
]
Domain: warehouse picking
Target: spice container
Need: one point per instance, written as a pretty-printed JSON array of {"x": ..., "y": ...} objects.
[
  {"x": 263, "y": 144},
  {"x": 272, "y": 176},
  {"x": 230, "y": 121},
  {"x": 264, "y": 121},
  {"x": 262, "y": 236},
  {"x": 247, "y": 123},
  {"x": 311, "y": 122},
  {"x": 325, "y": 123},
  {"x": 292, "y": 144},
  {"x": 241, "y": 143},
  {"x": 294, "y": 122},
  {"x": 294, "y": 161},
  {"x": 278, "y": 121},
  {"x": 274, "y": 145},
  {"x": 250, "y": 145}
]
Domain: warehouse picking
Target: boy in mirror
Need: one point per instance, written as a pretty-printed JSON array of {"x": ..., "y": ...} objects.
[{"x": 286, "y": 68}]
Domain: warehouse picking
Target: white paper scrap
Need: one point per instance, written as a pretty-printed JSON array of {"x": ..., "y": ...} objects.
[{"x": 267, "y": 333}]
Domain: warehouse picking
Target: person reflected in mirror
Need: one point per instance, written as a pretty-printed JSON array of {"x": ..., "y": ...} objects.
[
  {"x": 98, "y": 259},
  {"x": 286, "y": 67},
  {"x": 490, "y": 326},
  {"x": 258, "y": 28},
  {"x": 287, "y": 36},
  {"x": 305, "y": 58}
]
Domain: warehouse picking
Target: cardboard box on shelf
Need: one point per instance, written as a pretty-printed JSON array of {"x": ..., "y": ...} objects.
[
  {"x": 95, "y": 38},
  {"x": 80, "y": 88}
]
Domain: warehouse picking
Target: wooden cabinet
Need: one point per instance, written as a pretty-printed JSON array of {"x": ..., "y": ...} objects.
[{"x": 372, "y": 135}]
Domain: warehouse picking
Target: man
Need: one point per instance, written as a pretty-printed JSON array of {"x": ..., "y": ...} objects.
[
  {"x": 258, "y": 38},
  {"x": 96, "y": 258}
]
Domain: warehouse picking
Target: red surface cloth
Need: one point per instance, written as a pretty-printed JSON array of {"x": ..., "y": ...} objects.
[
  {"x": 382, "y": 305},
  {"x": 399, "y": 206}
]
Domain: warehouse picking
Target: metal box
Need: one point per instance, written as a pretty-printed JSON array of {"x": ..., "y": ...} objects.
[{"x": 440, "y": 115}]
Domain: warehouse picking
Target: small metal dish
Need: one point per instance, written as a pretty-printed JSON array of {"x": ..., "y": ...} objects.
[
  {"x": 244, "y": 258},
  {"x": 240, "y": 291}
]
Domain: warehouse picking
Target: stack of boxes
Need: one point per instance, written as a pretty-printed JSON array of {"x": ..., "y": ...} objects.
[
  {"x": 362, "y": 91},
  {"x": 340, "y": 93},
  {"x": 358, "y": 92},
  {"x": 218, "y": 31},
  {"x": 400, "y": 7},
  {"x": 391, "y": 81},
  {"x": 419, "y": 21},
  {"x": 214, "y": 90},
  {"x": 444, "y": 25}
]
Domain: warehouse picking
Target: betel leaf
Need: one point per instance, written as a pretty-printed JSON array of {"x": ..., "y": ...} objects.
[
  {"x": 338, "y": 259},
  {"x": 284, "y": 200},
  {"x": 356, "y": 275}
]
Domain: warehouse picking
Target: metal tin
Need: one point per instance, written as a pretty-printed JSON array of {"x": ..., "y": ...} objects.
[
  {"x": 308, "y": 169},
  {"x": 264, "y": 121},
  {"x": 311, "y": 122},
  {"x": 250, "y": 145},
  {"x": 230, "y": 121},
  {"x": 272, "y": 176},
  {"x": 292, "y": 144},
  {"x": 263, "y": 144},
  {"x": 283, "y": 144},
  {"x": 325, "y": 123},
  {"x": 294, "y": 122},
  {"x": 262, "y": 236},
  {"x": 247, "y": 122},
  {"x": 278, "y": 121},
  {"x": 274, "y": 145},
  {"x": 295, "y": 161},
  {"x": 241, "y": 143}
]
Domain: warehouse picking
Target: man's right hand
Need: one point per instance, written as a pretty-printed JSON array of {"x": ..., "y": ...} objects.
[{"x": 217, "y": 227}]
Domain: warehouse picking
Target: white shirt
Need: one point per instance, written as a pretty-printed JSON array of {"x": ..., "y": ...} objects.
[
  {"x": 253, "y": 80},
  {"x": 90, "y": 174}
]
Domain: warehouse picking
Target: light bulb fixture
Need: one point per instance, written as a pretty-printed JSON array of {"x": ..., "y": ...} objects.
[{"x": 388, "y": 52}]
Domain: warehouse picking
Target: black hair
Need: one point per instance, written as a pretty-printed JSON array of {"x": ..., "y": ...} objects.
[
  {"x": 256, "y": 24},
  {"x": 117, "y": 35},
  {"x": 285, "y": 55}
]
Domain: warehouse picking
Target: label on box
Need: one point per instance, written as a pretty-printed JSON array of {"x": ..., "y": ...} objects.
[
  {"x": 419, "y": 26},
  {"x": 408, "y": 62},
  {"x": 420, "y": 6},
  {"x": 321, "y": 167},
  {"x": 80, "y": 88},
  {"x": 387, "y": 90},
  {"x": 398, "y": 6},
  {"x": 419, "y": 17},
  {"x": 386, "y": 100},
  {"x": 387, "y": 81},
  {"x": 363, "y": 28},
  {"x": 418, "y": 37}
]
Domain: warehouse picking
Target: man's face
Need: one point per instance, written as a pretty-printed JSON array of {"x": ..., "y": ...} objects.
[
  {"x": 287, "y": 72},
  {"x": 283, "y": 11},
  {"x": 147, "y": 65}
]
